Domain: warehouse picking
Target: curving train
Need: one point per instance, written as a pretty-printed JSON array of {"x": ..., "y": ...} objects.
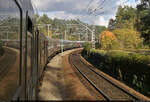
[{"x": 25, "y": 51}]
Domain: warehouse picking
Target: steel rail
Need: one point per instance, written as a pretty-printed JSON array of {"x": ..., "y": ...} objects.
[
  {"x": 110, "y": 81},
  {"x": 99, "y": 90}
]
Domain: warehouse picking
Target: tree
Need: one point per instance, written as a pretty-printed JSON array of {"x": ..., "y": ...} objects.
[
  {"x": 99, "y": 29},
  {"x": 145, "y": 4},
  {"x": 111, "y": 24},
  {"x": 45, "y": 19},
  {"x": 128, "y": 38},
  {"x": 143, "y": 21},
  {"x": 125, "y": 17},
  {"x": 108, "y": 40},
  {"x": 58, "y": 26}
]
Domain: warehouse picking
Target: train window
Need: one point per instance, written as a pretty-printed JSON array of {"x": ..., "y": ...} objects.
[
  {"x": 9, "y": 48},
  {"x": 29, "y": 54},
  {"x": 30, "y": 25}
]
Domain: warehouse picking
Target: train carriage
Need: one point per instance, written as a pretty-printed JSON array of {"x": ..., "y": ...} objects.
[{"x": 24, "y": 52}]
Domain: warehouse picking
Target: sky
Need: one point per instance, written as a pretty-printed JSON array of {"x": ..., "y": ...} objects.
[{"x": 103, "y": 10}]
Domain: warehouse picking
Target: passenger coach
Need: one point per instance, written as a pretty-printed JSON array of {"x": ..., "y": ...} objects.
[{"x": 23, "y": 51}]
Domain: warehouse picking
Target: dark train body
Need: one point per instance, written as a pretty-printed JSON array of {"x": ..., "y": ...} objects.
[{"x": 25, "y": 51}]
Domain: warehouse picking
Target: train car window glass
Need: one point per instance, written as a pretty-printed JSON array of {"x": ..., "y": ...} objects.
[
  {"x": 29, "y": 54},
  {"x": 30, "y": 25},
  {"x": 9, "y": 48}
]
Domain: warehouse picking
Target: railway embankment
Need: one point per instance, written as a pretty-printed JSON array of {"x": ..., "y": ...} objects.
[{"x": 130, "y": 68}]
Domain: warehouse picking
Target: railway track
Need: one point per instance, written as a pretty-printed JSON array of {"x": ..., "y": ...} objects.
[{"x": 110, "y": 91}]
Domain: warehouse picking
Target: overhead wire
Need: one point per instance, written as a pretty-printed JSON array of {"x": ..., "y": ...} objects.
[
  {"x": 99, "y": 6},
  {"x": 106, "y": 10}
]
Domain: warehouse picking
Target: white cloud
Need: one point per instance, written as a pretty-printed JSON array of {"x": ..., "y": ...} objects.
[
  {"x": 132, "y": 3},
  {"x": 60, "y": 15},
  {"x": 73, "y": 9},
  {"x": 101, "y": 21}
]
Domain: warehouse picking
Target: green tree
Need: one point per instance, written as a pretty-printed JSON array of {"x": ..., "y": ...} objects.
[
  {"x": 58, "y": 26},
  {"x": 128, "y": 38},
  {"x": 45, "y": 19},
  {"x": 125, "y": 17},
  {"x": 111, "y": 24},
  {"x": 143, "y": 21},
  {"x": 99, "y": 30}
]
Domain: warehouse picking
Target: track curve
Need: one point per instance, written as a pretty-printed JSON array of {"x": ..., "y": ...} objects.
[{"x": 110, "y": 91}]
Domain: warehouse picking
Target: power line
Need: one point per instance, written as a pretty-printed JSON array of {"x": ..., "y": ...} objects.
[{"x": 106, "y": 10}]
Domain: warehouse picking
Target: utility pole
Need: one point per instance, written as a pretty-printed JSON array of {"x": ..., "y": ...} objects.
[
  {"x": 93, "y": 38},
  {"x": 92, "y": 31},
  {"x": 62, "y": 45},
  {"x": 48, "y": 28},
  {"x": 65, "y": 35},
  {"x": 48, "y": 25},
  {"x": 7, "y": 35},
  {"x": 72, "y": 25},
  {"x": 86, "y": 36},
  {"x": 79, "y": 36}
]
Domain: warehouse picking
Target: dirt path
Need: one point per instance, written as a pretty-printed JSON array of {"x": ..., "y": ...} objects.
[{"x": 61, "y": 83}]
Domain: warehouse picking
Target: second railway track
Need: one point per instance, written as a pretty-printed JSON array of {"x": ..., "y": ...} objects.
[{"x": 110, "y": 91}]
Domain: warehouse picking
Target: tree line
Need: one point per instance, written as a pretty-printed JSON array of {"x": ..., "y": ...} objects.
[
  {"x": 131, "y": 27},
  {"x": 58, "y": 27}
]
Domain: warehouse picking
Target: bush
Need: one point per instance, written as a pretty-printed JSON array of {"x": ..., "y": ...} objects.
[
  {"x": 131, "y": 68},
  {"x": 87, "y": 46},
  {"x": 97, "y": 45}
]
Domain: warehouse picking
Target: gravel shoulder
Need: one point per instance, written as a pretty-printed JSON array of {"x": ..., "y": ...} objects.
[{"x": 61, "y": 83}]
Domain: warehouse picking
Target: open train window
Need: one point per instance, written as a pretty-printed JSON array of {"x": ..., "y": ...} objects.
[{"x": 29, "y": 25}]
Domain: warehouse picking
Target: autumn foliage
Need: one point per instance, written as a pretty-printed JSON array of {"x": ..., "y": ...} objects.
[
  {"x": 108, "y": 40},
  {"x": 121, "y": 39},
  {"x": 107, "y": 34}
]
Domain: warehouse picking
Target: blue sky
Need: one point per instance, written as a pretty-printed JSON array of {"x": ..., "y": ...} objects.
[{"x": 73, "y": 9}]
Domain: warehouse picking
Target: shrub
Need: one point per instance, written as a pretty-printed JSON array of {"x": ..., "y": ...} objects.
[
  {"x": 87, "y": 46},
  {"x": 97, "y": 45},
  {"x": 131, "y": 68}
]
